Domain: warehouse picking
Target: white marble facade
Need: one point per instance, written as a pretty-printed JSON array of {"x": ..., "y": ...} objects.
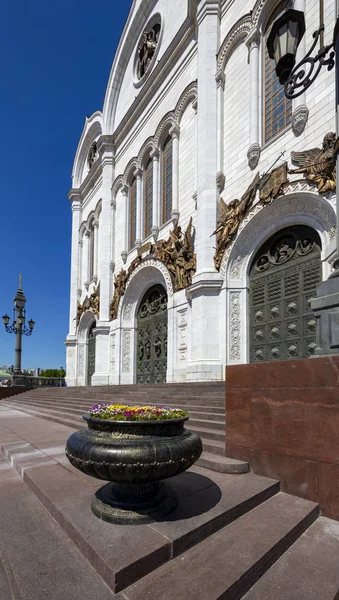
[{"x": 204, "y": 88}]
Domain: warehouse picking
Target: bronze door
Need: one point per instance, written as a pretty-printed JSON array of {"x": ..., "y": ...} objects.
[
  {"x": 284, "y": 277},
  {"x": 152, "y": 337},
  {"x": 91, "y": 355}
]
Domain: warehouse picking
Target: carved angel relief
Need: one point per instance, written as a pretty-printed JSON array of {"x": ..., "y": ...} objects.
[
  {"x": 318, "y": 164},
  {"x": 147, "y": 49},
  {"x": 230, "y": 217},
  {"x": 91, "y": 302},
  {"x": 176, "y": 253}
]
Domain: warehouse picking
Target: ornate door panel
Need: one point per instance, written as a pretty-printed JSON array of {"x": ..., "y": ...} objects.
[
  {"x": 152, "y": 337},
  {"x": 283, "y": 279},
  {"x": 91, "y": 355}
]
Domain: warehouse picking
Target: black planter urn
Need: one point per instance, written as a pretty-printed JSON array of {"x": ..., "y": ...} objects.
[{"x": 135, "y": 456}]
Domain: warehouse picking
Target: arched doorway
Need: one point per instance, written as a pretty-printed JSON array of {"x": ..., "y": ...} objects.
[
  {"x": 283, "y": 278},
  {"x": 152, "y": 337},
  {"x": 91, "y": 354}
]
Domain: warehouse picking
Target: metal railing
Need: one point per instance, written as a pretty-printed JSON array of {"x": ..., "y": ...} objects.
[{"x": 31, "y": 382}]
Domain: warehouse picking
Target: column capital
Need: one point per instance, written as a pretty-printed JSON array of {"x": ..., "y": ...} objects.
[
  {"x": 124, "y": 190},
  {"x": 88, "y": 233},
  {"x": 220, "y": 79},
  {"x": 155, "y": 154},
  {"x": 113, "y": 203},
  {"x": 96, "y": 224},
  {"x": 253, "y": 39},
  {"x": 175, "y": 131},
  {"x": 138, "y": 173}
]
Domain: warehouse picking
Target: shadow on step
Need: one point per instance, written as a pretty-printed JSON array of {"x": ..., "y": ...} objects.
[{"x": 193, "y": 498}]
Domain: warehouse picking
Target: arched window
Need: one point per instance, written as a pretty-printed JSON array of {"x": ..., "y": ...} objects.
[
  {"x": 277, "y": 108},
  {"x": 132, "y": 213},
  {"x": 148, "y": 198},
  {"x": 166, "y": 180}
]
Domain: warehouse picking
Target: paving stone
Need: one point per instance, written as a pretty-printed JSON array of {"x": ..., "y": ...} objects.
[{"x": 37, "y": 560}]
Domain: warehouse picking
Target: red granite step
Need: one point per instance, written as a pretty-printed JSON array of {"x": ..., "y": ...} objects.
[
  {"x": 307, "y": 571},
  {"x": 229, "y": 562},
  {"x": 222, "y": 464},
  {"x": 37, "y": 559},
  {"x": 121, "y": 555}
]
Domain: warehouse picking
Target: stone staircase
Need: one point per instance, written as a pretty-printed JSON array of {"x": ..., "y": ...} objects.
[
  {"x": 205, "y": 403},
  {"x": 231, "y": 537}
]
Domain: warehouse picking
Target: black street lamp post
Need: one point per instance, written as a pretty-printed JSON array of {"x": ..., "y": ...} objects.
[
  {"x": 18, "y": 326},
  {"x": 282, "y": 44}
]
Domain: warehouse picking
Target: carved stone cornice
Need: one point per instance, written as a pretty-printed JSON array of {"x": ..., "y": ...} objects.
[
  {"x": 75, "y": 197},
  {"x": 207, "y": 8}
]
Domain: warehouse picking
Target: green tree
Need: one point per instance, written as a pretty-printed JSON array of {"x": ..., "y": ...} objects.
[{"x": 53, "y": 373}]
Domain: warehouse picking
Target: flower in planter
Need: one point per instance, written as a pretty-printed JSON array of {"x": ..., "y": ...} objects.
[{"x": 121, "y": 412}]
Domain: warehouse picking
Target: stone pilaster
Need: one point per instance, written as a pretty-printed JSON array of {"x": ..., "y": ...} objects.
[
  {"x": 124, "y": 191},
  {"x": 204, "y": 361},
  {"x": 300, "y": 110},
  {"x": 75, "y": 198},
  {"x": 220, "y": 81}
]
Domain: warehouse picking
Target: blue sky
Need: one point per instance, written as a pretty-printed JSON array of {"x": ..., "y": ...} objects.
[{"x": 55, "y": 62}]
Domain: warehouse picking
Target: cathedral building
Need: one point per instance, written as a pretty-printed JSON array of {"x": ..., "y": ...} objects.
[{"x": 203, "y": 200}]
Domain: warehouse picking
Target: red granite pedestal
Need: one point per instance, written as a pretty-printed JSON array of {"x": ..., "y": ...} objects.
[{"x": 283, "y": 418}]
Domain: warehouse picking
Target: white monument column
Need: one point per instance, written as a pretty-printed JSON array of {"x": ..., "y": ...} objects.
[
  {"x": 174, "y": 133},
  {"x": 205, "y": 361},
  {"x": 124, "y": 191},
  {"x": 300, "y": 110},
  {"x": 155, "y": 204},
  {"x": 254, "y": 150},
  {"x": 139, "y": 227},
  {"x": 75, "y": 198},
  {"x": 102, "y": 353}
]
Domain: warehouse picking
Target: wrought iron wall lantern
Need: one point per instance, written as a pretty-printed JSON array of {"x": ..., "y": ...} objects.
[{"x": 282, "y": 44}]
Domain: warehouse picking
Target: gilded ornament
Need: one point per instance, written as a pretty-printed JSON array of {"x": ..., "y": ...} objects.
[
  {"x": 230, "y": 217},
  {"x": 318, "y": 164},
  {"x": 271, "y": 184}
]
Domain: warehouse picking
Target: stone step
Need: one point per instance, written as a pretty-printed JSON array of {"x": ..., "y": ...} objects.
[
  {"x": 208, "y": 433},
  {"x": 222, "y": 464},
  {"x": 201, "y": 404},
  {"x": 307, "y": 571},
  {"x": 217, "y": 425},
  {"x": 75, "y": 423},
  {"x": 229, "y": 562},
  {"x": 37, "y": 559},
  {"x": 123, "y": 554},
  {"x": 213, "y": 446},
  {"x": 82, "y": 407}
]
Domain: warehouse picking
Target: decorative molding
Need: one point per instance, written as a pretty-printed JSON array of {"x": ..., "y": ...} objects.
[
  {"x": 113, "y": 340},
  {"x": 112, "y": 266},
  {"x": 81, "y": 363},
  {"x": 157, "y": 264},
  {"x": 240, "y": 30},
  {"x": 220, "y": 79},
  {"x": 235, "y": 353},
  {"x": 299, "y": 119},
  {"x": 220, "y": 179},
  {"x": 253, "y": 155},
  {"x": 126, "y": 352},
  {"x": 190, "y": 94},
  {"x": 311, "y": 205},
  {"x": 182, "y": 334},
  {"x": 253, "y": 39}
]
